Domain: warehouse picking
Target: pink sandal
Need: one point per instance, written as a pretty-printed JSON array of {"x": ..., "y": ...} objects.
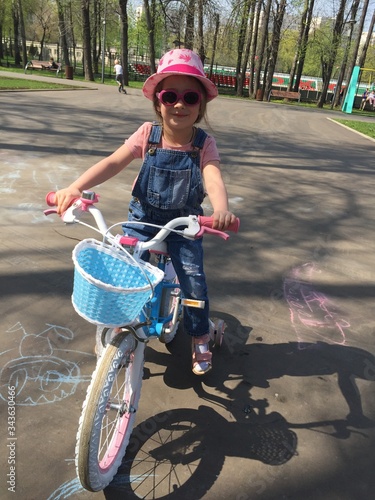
[{"x": 201, "y": 355}]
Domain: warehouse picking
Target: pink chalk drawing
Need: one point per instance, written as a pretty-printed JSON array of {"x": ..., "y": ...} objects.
[{"x": 312, "y": 314}]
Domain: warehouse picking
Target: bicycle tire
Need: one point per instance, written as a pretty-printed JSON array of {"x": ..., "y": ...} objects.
[
  {"x": 169, "y": 457},
  {"x": 101, "y": 439}
]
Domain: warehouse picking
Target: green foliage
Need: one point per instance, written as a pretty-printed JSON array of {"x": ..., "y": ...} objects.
[{"x": 286, "y": 51}]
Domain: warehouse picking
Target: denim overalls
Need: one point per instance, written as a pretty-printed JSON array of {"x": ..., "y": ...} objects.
[{"x": 170, "y": 185}]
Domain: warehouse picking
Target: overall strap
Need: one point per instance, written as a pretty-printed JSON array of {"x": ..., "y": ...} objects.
[
  {"x": 155, "y": 134},
  {"x": 199, "y": 139}
]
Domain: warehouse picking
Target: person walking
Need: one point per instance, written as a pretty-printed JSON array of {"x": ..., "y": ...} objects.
[{"x": 119, "y": 76}]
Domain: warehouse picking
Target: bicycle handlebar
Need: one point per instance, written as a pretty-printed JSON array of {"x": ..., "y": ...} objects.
[{"x": 196, "y": 226}]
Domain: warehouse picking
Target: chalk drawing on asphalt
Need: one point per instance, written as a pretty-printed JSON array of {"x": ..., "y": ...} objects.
[
  {"x": 313, "y": 315},
  {"x": 38, "y": 371}
]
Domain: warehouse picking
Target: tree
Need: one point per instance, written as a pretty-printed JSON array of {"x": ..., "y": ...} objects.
[
  {"x": 150, "y": 21},
  {"x": 201, "y": 49},
  {"x": 216, "y": 32},
  {"x": 365, "y": 47},
  {"x": 328, "y": 59},
  {"x": 44, "y": 16},
  {"x": 300, "y": 54},
  {"x": 357, "y": 42},
  {"x": 262, "y": 48},
  {"x": 253, "y": 50},
  {"x": 245, "y": 61},
  {"x": 16, "y": 23},
  {"x": 274, "y": 46},
  {"x": 86, "y": 39},
  {"x": 351, "y": 22},
  {"x": 22, "y": 32},
  {"x": 244, "y": 20},
  {"x": 189, "y": 29},
  {"x": 63, "y": 32},
  {"x": 124, "y": 38}
]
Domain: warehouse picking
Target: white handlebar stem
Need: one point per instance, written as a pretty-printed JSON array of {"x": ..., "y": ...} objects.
[
  {"x": 99, "y": 219},
  {"x": 189, "y": 232}
]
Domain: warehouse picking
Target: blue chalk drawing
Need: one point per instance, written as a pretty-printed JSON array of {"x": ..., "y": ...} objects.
[{"x": 41, "y": 377}]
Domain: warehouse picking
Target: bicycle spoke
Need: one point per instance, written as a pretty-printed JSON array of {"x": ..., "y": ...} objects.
[{"x": 159, "y": 468}]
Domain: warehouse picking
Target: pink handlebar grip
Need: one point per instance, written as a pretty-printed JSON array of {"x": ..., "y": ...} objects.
[
  {"x": 208, "y": 221},
  {"x": 50, "y": 199}
]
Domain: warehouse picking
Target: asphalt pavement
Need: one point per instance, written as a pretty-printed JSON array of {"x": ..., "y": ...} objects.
[{"x": 288, "y": 411}]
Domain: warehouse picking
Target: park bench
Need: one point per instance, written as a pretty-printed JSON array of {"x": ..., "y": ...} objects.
[
  {"x": 35, "y": 64},
  {"x": 284, "y": 94}
]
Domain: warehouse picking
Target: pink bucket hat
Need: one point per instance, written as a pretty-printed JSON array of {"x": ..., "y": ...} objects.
[{"x": 179, "y": 62}]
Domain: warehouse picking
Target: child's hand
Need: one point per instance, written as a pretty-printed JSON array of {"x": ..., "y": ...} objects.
[
  {"x": 222, "y": 219},
  {"x": 64, "y": 198}
]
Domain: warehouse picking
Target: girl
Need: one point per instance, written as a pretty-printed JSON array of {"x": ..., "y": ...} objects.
[{"x": 180, "y": 165}]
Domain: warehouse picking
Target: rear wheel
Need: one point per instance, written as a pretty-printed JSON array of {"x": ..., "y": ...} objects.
[{"x": 108, "y": 412}]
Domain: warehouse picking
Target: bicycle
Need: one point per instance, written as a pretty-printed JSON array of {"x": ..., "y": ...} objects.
[{"x": 130, "y": 301}]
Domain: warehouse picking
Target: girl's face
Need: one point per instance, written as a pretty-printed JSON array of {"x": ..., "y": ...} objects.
[{"x": 179, "y": 115}]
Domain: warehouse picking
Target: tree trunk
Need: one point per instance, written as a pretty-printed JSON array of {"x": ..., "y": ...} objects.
[
  {"x": 201, "y": 50},
  {"x": 189, "y": 30},
  {"x": 299, "y": 45},
  {"x": 338, "y": 95},
  {"x": 262, "y": 47},
  {"x": 96, "y": 41},
  {"x": 72, "y": 40},
  {"x": 23, "y": 34},
  {"x": 86, "y": 37},
  {"x": 124, "y": 38},
  {"x": 150, "y": 21},
  {"x": 356, "y": 44},
  {"x": 301, "y": 61},
  {"x": 241, "y": 83},
  {"x": 16, "y": 23},
  {"x": 217, "y": 25},
  {"x": 327, "y": 64},
  {"x": 244, "y": 21},
  {"x": 63, "y": 32},
  {"x": 362, "y": 58},
  {"x": 254, "y": 48},
  {"x": 274, "y": 48}
]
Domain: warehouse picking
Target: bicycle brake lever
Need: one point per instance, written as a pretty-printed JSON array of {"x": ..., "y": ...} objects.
[
  {"x": 50, "y": 211},
  {"x": 71, "y": 214},
  {"x": 210, "y": 230}
]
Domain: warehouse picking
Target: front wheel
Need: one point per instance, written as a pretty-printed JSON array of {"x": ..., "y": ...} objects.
[{"x": 108, "y": 412}]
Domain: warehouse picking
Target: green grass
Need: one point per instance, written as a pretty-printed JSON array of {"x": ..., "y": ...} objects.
[
  {"x": 363, "y": 127},
  {"x": 10, "y": 83}
]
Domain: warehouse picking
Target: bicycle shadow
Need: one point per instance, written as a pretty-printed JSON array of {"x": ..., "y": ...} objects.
[
  {"x": 255, "y": 364},
  {"x": 184, "y": 443},
  {"x": 177, "y": 454}
]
